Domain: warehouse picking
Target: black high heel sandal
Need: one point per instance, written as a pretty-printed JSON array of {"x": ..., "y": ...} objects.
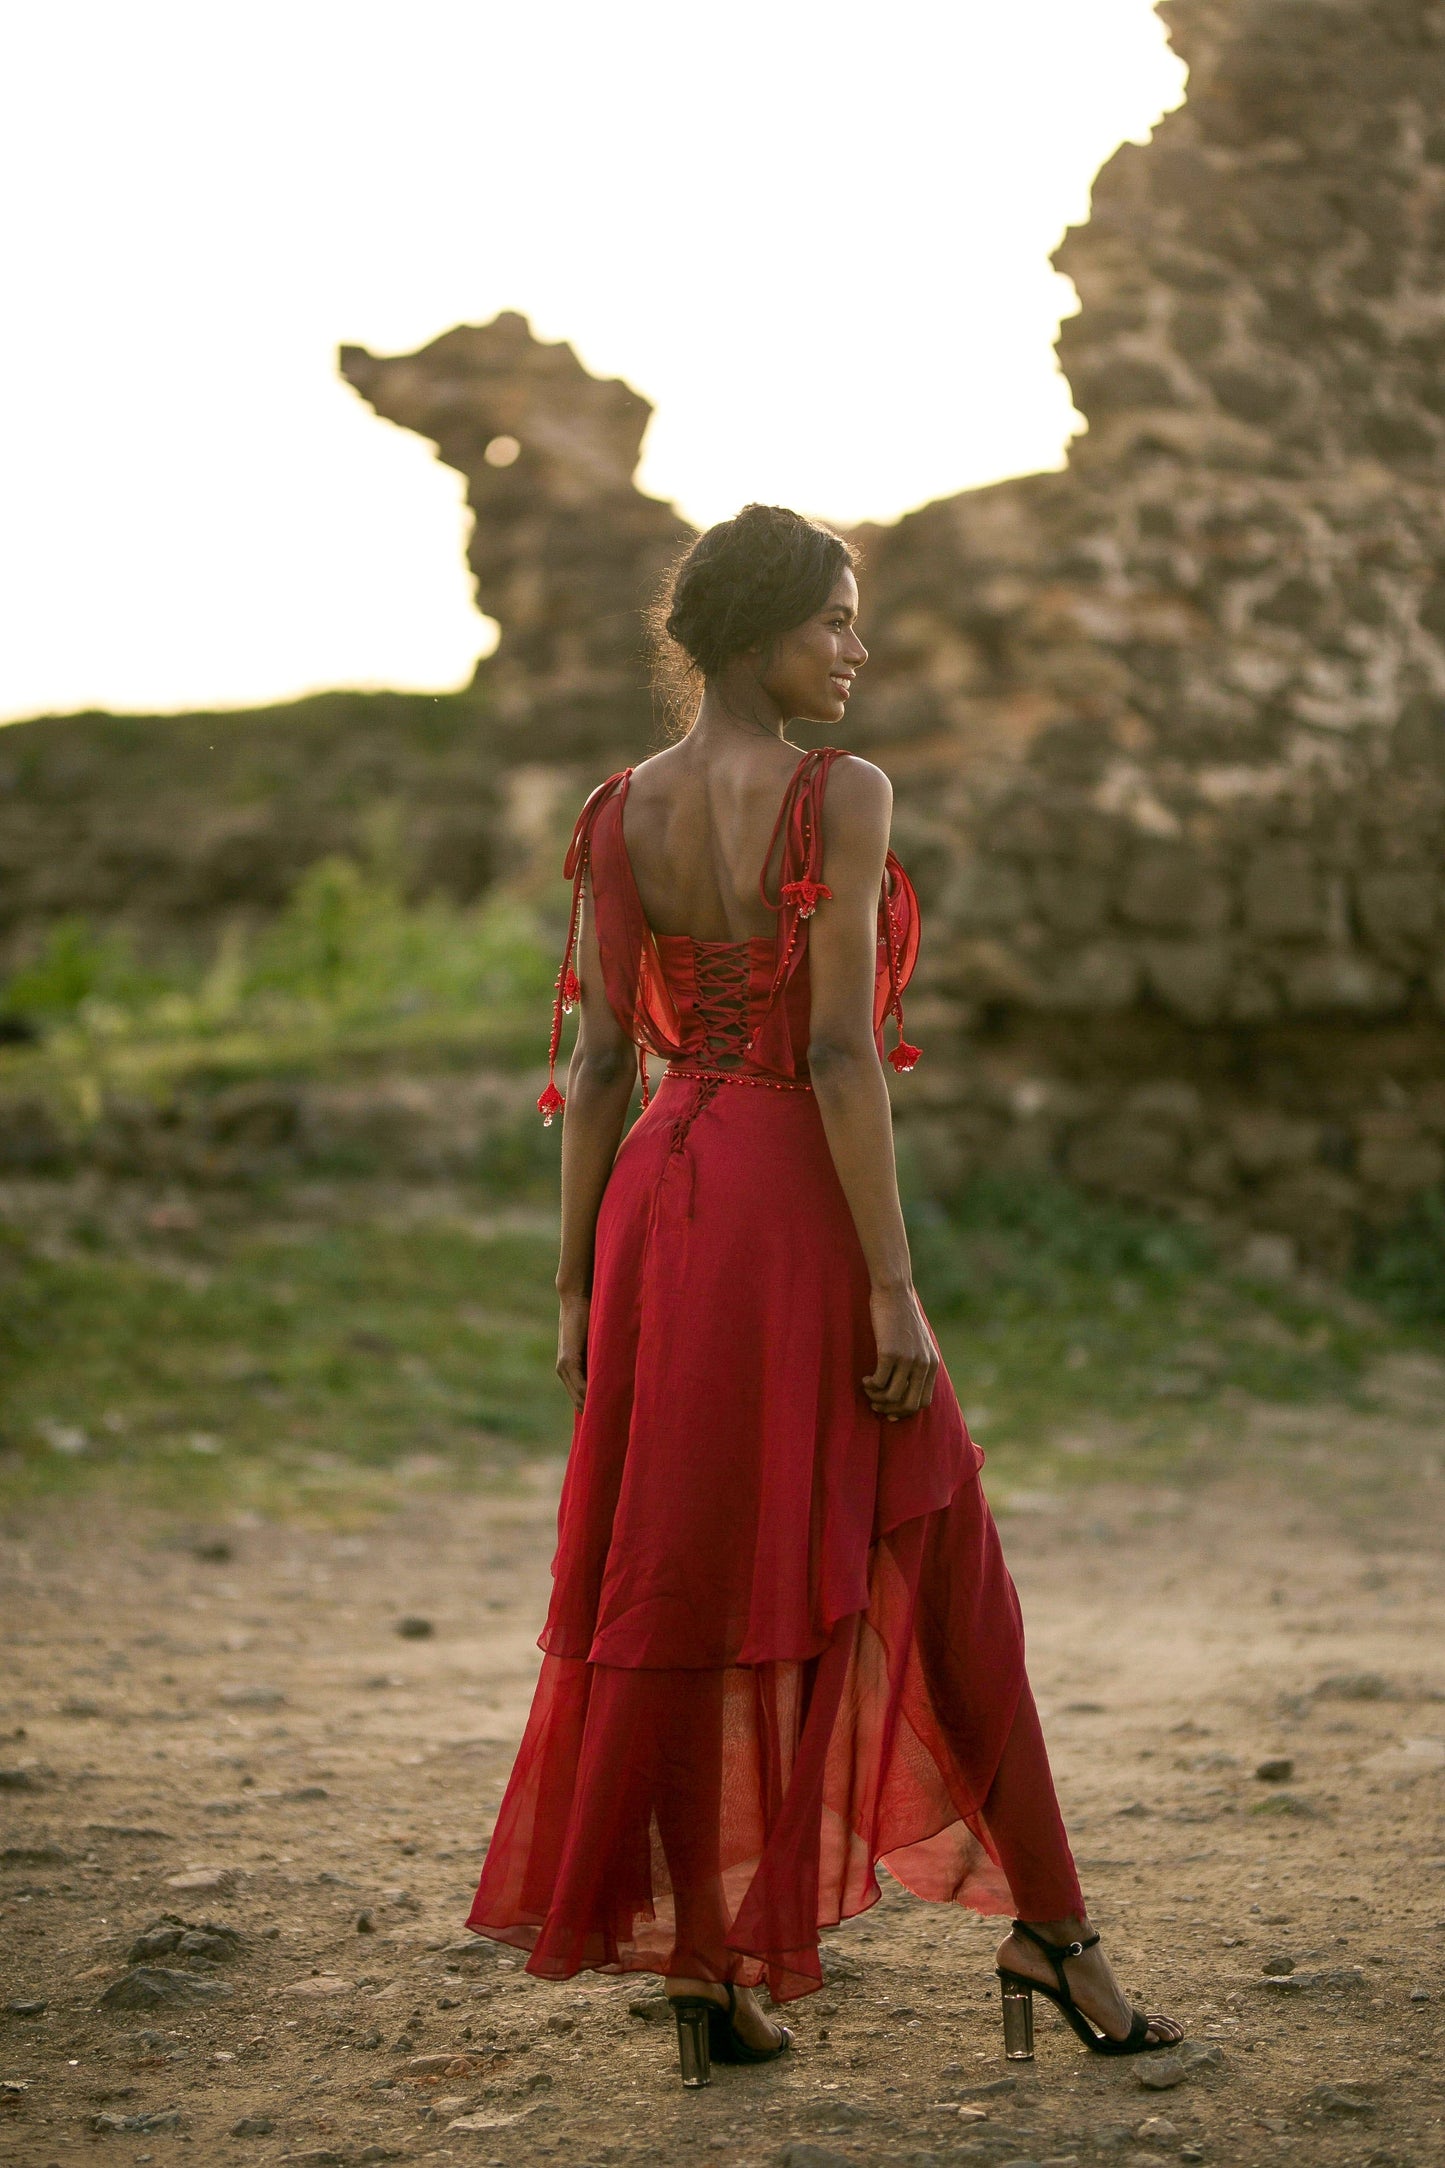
[
  {"x": 706, "y": 2034},
  {"x": 1018, "y": 2006}
]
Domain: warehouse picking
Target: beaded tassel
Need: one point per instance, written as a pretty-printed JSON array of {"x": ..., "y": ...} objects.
[
  {"x": 903, "y": 1057},
  {"x": 569, "y": 993}
]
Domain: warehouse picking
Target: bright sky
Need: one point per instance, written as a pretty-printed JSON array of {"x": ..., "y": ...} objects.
[{"x": 814, "y": 233}]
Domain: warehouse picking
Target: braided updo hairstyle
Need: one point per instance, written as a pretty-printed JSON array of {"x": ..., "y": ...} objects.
[{"x": 742, "y": 584}]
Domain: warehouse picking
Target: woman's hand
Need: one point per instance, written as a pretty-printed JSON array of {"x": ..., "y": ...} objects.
[
  {"x": 902, "y": 1381},
  {"x": 572, "y": 1347}
]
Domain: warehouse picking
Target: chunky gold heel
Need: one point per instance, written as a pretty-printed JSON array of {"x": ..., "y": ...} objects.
[
  {"x": 693, "y": 2013},
  {"x": 1018, "y": 2017},
  {"x": 706, "y": 2034},
  {"x": 1018, "y": 2006}
]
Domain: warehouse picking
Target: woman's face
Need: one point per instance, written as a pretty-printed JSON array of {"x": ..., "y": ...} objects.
[{"x": 809, "y": 671}]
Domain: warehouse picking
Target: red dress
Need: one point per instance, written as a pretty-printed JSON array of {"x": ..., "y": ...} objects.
[{"x": 782, "y": 1644}]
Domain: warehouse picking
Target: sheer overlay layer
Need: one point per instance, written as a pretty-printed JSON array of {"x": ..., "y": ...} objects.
[{"x": 783, "y": 1643}]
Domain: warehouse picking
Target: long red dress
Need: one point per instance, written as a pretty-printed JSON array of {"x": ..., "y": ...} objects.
[{"x": 782, "y": 1643}]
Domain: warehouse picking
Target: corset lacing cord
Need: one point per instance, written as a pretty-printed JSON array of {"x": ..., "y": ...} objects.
[
  {"x": 722, "y": 978},
  {"x": 707, "y": 1089}
]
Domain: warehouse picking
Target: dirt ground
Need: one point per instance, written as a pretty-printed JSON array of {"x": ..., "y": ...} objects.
[{"x": 226, "y": 1732}]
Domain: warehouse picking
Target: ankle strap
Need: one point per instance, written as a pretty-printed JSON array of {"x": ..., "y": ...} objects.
[{"x": 1056, "y": 1952}]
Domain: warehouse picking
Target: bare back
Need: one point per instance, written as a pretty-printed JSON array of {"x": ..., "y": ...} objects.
[{"x": 697, "y": 825}]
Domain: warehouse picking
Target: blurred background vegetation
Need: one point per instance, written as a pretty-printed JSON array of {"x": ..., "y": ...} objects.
[{"x": 277, "y": 1232}]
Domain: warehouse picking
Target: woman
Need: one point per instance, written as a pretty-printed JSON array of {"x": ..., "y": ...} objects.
[{"x": 782, "y": 1644}]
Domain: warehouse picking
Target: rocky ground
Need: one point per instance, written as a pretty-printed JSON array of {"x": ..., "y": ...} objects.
[{"x": 248, "y": 1773}]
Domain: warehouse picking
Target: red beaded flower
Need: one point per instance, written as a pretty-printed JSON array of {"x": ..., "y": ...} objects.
[{"x": 807, "y": 894}]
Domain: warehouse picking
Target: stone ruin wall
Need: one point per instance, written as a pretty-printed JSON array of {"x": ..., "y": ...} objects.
[{"x": 1167, "y": 728}]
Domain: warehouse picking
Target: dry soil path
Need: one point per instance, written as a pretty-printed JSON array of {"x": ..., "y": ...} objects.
[{"x": 246, "y": 1749}]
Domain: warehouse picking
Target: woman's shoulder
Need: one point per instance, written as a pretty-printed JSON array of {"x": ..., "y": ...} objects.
[{"x": 859, "y": 795}]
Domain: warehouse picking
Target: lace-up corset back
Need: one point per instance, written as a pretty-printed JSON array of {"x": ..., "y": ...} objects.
[
  {"x": 718, "y": 976},
  {"x": 737, "y": 1007}
]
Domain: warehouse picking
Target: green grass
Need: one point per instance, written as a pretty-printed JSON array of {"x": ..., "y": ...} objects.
[
  {"x": 1076, "y": 1331},
  {"x": 349, "y": 978},
  {"x": 306, "y": 1334},
  {"x": 263, "y": 1357},
  {"x": 311, "y": 1346}
]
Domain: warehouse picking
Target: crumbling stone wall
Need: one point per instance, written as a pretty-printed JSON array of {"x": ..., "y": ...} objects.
[
  {"x": 1168, "y": 728},
  {"x": 1171, "y": 725}
]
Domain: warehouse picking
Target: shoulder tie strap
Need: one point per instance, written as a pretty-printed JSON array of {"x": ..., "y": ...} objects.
[
  {"x": 569, "y": 988},
  {"x": 898, "y": 929}
]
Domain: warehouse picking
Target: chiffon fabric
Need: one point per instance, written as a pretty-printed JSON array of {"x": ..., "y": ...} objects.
[{"x": 783, "y": 1644}]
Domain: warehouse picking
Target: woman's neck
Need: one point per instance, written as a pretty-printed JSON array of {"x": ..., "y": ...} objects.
[{"x": 736, "y": 706}]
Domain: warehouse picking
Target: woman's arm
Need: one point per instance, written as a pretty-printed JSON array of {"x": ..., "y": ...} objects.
[
  {"x": 600, "y": 1078},
  {"x": 848, "y": 1080}
]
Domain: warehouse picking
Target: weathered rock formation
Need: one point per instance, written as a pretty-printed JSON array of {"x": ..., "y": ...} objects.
[
  {"x": 563, "y": 546},
  {"x": 1173, "y": 722},
  {"x": 177, "y": 823},
  {"x": 1168, "y": 728}
]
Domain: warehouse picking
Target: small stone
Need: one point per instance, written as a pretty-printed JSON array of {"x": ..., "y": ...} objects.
[
  {"x": 202, "y": 1878},
  {"x": 365, "y": 1923},
  {"x": 1275, "y": 1769},
  {"x": 652, "y": 2009},
  {"x": 837, "y": 1968},
  {"x": 251, "y": 1697},
  {"x": 500, "y": 2122},
  {"x": 1161, "y": 2072},
  {"x": 1417, "y": 1994},
  {"x": 440, "y": 2110},
  {"x": 1354, "y": 1686},
  {"x": 415, "y": 1629},
  {"x": 557, "y": 2023},
  {"x": 1342, "y": 2100},
  {"x": 21, "y": 2006},
  {"x": 320, "y": 1983},
  {"x": 1276, "y": 1967},
  {"x": 987, "y": 2088},
  {"x": 450, "y": 2063},
  {"x": 1157, "y": 2127},
  {"x": 306, "y": 1791},
  {"x": 253, "y": 2126},
  {"x": 148, "y": 1986},
  {"x": 19, "y": 1780},
  {"x": 1287, "y": 1803}
]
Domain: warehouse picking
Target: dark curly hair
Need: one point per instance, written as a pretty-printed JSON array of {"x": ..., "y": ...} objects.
[{"x": 741, "y": 585}]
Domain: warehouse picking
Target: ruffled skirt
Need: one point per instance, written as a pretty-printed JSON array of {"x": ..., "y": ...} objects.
[{"x": 783, "y": 1644}]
